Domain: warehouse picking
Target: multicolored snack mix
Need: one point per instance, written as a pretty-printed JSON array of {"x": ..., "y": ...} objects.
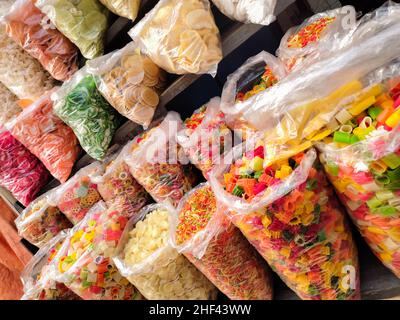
[
  {"x": 218, "y": 249},
  {"x": 256, "y": 75},
  {"x": 289, "y": 213},
  {"x": 84, "y": 22},
  {"x": 130, "y": 82},
  {"x": 47, "y": 137},
  {"x": 119, "y": 189},
  {"x": 30, "y": 28},
  {"x": 84, "y": 262},
  {"x": 362, "y": 160},
  {"x": 153, "y": 162},
  {"x": 316, "y": 36},
  {"x": 180, "y": 36},
  {"x": 40, "y": 221},
  {"x": 205, "y": 137},
  {"x": 21, "y": 172},
  {"x": 37, "y": 277},
  {"x": 149, "y": 261},
  {"x": 81, "y": 106},
  {"x": 78, "y": 195}
]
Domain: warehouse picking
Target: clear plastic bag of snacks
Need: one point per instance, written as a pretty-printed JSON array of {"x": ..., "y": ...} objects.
[
  {"x": 307, "y": 105},
  {"x": 47, "y": 137},
  {"x": 148, "y": 260},
  {"x": 205, "y": 136},
  {"x": 154, "y": 161},
  {"x": 79, "y": 194},
  {"x": 82, "y": 107},
  {"x": 290, "y": 214},
  {"x": 119, "y": 189},
  {"x": 323, "y": 33},
  {"x": 9, "y": 107},
  {"x": 22, "y": 74},
  {"x": 31, "y": 29},
  {"x": 248, "y": 11},
  {"x": 256, "y": 75},
  {"x": 180, "y": 36},
  {"x": 217, "y": 248},
  {"x": 21, "y": 172},
  {"x": 84, "y": 262},
  {"x": 84, "y": 22},
  {"x": 124, "y": 8},
  {"x": 366, "y": 177},
  {"x": 36, "y": 278},
  {"x": 40, "y": 222},
  {"x": 130, "y": 82}
]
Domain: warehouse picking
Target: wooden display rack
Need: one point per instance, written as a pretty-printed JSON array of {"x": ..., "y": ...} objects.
[{"x": 377, "y": 282}]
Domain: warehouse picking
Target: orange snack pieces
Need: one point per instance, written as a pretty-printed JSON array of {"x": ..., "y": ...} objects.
[
  {"x": 32, "y": 30},
  {"x": 47, "y": 137}
]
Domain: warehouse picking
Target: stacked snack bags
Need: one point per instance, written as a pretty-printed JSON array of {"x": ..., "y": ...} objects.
[
  {"x": 29, "y": 27},
  {"x": 205, "y": 136},
  {"x": 19, "y": 72},
  {"x": 36, "y": 278},
  {"x": 80, "y": 105},
  {"x": 248, "y": 11},
  {"x": 153, "y": 160},
  {"x": 84, "y": 22},
  {"x": 149, "y": 261},
  {"x": 180, "y": 36},
  {"x": 84, "y": 261},
  {"x": 124, "y": 8},
  {"x": 40, "y": 221},
  {"x": 256, "y": 75},
  {"x": 47, "y": 137},
  {"x": 218, "y": 249},
  {"x": 289, "y": 213},
  {"x": 130, "y": 82},
  {"x": 79, "y": 194},
  {"x": 21, "y": 172}
]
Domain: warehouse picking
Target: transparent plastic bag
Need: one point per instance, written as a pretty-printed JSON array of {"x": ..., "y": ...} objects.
[
  {"x": 217, "y": 248},
  {"x": 290, "y": 214},
  {"x": 84, "y": 262},
  {"x": 124, "y": 8},
  {"x": 148, "y": 260},
  {"x": 154, "y": 161},
  {"x": 205, "y": 136},
  {"x": 19, "y": 72},
  {"x": 248, "y": 11},
  {"x": 40, "y": 222},
  {"x": 81, "y": 106},
  {"x": 366, "y": 178},
  {"x": 302, "y": 108},
  {"x": 180, "y": 36},
  {"x": 79, "y": 194},
  {"x": 30, "y": 28},
  {"x": 9, "y": 107},
  {"x": 84, "y": 22},
  {"x": 256, "y": 75},
  {"x": 36, "y": 278},
  {"x": 21, "y": 172},
  {"x": 130, "y": 82},
  {"x": 119, "y": 189},
  {"x": 47, "y": 137},
  {"x": 323, "y": 33}
]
